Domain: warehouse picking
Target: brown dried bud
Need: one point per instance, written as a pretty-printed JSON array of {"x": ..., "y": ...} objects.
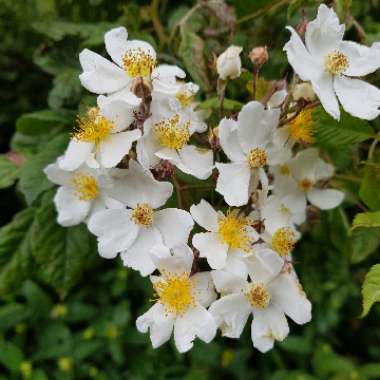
[
  {"x": 164, "y": 169},
  {"x": 259, "y": 55},
  {"x": 213, "y": 138}
]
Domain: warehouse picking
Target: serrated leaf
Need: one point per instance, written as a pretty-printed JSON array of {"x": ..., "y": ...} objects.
[
  {"x": 366, "y": 219},
  {"x": 9, "y": 172},
  {"x": 349, "y": 130},
  {"x": 371, "y": 289},
  {"x": 33, "y": 181},
  {"x": 363, "y": 243}
]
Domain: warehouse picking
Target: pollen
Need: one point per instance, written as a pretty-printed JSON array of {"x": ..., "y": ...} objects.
[
  {"x": 258, "y": 296},
  {"x": 283, "y": 241},
  {"x": 142, "y": 215},
  {"x": 185, "y": 98},
  {"x": 305, "y": 185},
  {"x": 175, "y": 293},
  {"x": 85, "y": 186},
  {"x": 93, "y": 127},
  {"x": 232, "y": 230},
  {"x": 301, "y": 128},
  {"x": 171, "y": 134},
  {"x": 336, "y": 62},
  {"x": 138, "y": 63},
  {"x": 284, "y": 170},
  {"x": 257, "y": 158}
]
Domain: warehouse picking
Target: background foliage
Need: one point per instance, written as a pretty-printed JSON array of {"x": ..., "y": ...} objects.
[{"x": 67, "y": 314}]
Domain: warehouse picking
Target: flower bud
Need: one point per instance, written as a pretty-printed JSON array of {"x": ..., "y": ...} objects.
[
  {"x": 303, "y": 91},
  {"x": 228, "y": 64},
  {"x": 259, "y": 55}
]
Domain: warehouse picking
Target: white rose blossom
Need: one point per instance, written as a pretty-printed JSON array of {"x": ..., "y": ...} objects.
[
  {"x": 181, "y": 301},
  {"x": 135, "y": 230},
  {"x": 228, "y": 64},
  {"x": 333, "y": 65}
]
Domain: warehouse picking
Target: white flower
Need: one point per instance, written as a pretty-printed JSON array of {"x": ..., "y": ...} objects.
[
  {"x": 228, "y": 64},
  {"x": 132, "y": 59},
  {"x": 328, "y": 62},
  {"x": 135, "y": 230},
  {"x": 82, "y": 193},
  {"x": 228, "y": 240},
  {"x": 181, "y": 301},
  {"x": 300, "y": 178},
  {"x": 247, "y": 142},
  {"x": 269, "y": 296},
  {"x": 99, "y": 140},
  {"x": 303, "y": 91},
  {"x": 166, "y": 137}
]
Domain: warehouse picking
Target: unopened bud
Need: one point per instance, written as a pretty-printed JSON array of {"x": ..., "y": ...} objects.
[
  {"x": 228, "y": 64},
  {"x": 304, "y": 91},
  {"x": 259, "y": 55}
]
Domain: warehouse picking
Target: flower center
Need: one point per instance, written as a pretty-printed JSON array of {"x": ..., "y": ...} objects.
[
  {"x": 143, "y": 215},
  {"x": 257, "y": 158},
  {"x": 172, "y": 135},
  {"x": 301, "y": 128},
  {"x": 175, "y": 292},
  {"x": 85, "y": 186},
  {"x": 138, "y": 63},
  {"x": 336, "y": 62},
  {"x": 93, "y": 127},
  {"x": 305, "y": 185},
  {"x": 232, "y": 230},
  {"x": 258, "y": 296},
  {"x": 283, "y": 241},
  {"x": 284, "y": 170},
  {"x": 185, "y": 98}
]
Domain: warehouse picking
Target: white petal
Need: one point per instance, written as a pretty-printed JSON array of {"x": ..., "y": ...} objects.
[
  {"x": 137, "y": 185},
  {"x": 137, "y": 255},
  {"x": 264, "y": 264},
  {"x": 174, "y": 224},
  {"x": 167, "y": 73},
  {"x": 116, "y": 147},
  {"x": 141, "y": 45},
  {"x": 56, "y": 175},
  {"x": 233, "y": 183},
  {"x": 231, "y": 313},
  {"x": 363, "y": 60},
  {"x": 235, "y": 263},
  {"x": 146, "y": 148},
  {"x": 205, "y": 215},
  {"x": 210, "y": 246},
  {"x": 287, "y": 293},
  {"x": 277, "y": 98},
  {"x": 358, "y": 98},
  {"x": 158, "y": 322},
  {"x": 115, "y": 231},
  {"x": 116, "y": 44},
  {"x": 71, "y": 210},
  {"x": 324, "y": 33},
  {"x": 100, "y": 75},
  {"x": 256, "y": 125},
  {"x": 325, "y": 199},
  {"x": 268, "y": 325},
  {"x": 227, "y": 282},
  {"x": 75, "y": 155},
  {"x": 306, "y": 165},
  {"x": 300, "y": 59},
  {"x": 229, "y": 140},
  {"x": 274, "y": 214},
  {"x": 203, "y": 288},
  {"x": 323, "y": 87}
]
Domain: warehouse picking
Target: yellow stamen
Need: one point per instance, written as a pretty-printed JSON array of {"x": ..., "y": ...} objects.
[
  {"x": 93, "y": 127},
  {"x": 257, "y": 158},
  {"x": 305, "y": 185},
  {"x": 283, "y": 241},
  {"x": 142, "y": 215},
  {"x": 301, "y": 128},
  {"x": 232, "y": 230},
  {"x": 85, "y": 186},
  {"x": 258, "y": 296},
  {"x": 185, "y": 98},
  {"x": 336, "y": 62},
  {"x": 172, "y": 135},
  {"x": 175, "y": 293},
  {"x": 138, "y": 63},
  {"x": 284, "y": 170}
]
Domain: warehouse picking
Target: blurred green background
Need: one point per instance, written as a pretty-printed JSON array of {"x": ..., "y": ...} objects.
[{"x": 67, "y": 314}]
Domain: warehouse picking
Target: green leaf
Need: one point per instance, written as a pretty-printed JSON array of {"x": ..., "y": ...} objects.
[
  {"x": 33, "y": 181},
  {"x": 214, "y": 103},
  {"x": 11, "y": 314},
  {"x": 191, "y": 51},
  {"x": 371, "y": 289},
  {"x": 10, "y": 356},
  {"x": 369, "y": 189},
  {"x": 9, "y": 172},
  {"x": 363, "y": 243},
  {"x": 366, "y": 219},
  {"x": 39, "y": 122},
  {"x": 349, "y": 130}
]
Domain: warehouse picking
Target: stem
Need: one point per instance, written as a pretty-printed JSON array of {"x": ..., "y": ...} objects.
[
  {"x": 348, "y": 178},
  {"x": 159, "y": 29},
  {"x": 372, "y": 148},
  {"x": 178, "y": 188},
  {"x": 183, "y": 20},
  {"x": 222, "y": 93},
  {"x": 254, "y": 81}
]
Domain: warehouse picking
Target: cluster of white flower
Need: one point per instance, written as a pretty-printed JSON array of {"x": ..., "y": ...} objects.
[{"x": 112, "y": 177}]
